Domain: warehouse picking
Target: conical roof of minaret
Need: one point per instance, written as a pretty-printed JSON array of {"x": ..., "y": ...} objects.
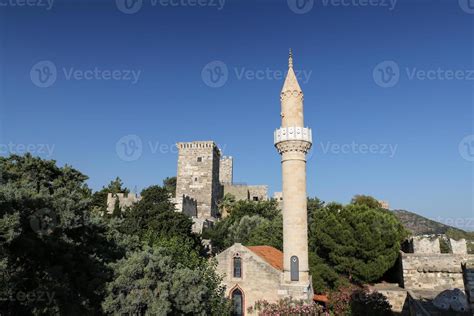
[{"x": 291, "y": 83}]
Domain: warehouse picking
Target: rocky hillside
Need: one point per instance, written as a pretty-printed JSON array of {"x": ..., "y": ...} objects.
[{"x": 419, "y": 225}]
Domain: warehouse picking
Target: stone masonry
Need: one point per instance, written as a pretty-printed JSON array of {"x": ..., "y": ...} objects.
[
  {"x": 125, "y": 200},
  {"x": 425, "y": 244},
  {"x": 458, "y": 246},
  {"x": 198, "y": 177},
  {"x": 226, "y": 171},
  {"x": 435, "y": 272},
  {"x": 247, "y": 192}
]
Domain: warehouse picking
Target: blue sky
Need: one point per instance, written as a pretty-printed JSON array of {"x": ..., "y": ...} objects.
[{"x": 388, "y": 91}]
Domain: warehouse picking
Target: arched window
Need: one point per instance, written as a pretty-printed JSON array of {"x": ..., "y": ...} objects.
[
  {"x": 237, "y": 265},
  {"x": 237, "y": 303},
  {"x": 294, "y": 268}
]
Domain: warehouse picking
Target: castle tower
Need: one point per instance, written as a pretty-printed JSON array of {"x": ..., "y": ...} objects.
[
  {"x": 293, "y": 142},
  {"x": 198, "y": 177},
  {"x": 226, "y": 170}
]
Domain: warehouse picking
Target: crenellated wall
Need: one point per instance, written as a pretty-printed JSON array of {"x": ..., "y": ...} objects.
[
  {"x": 436, "y": 272},
  {"x": 125, "y": 200}
]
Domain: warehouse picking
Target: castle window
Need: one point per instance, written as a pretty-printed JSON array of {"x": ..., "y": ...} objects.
[
  {"x": 195, "y": 179},
  {"x": 255, "y": 198},
  {"x": 294, "y": 268},
  {"x": 237, "y": 263},
  {"x": 237, "y": 303},
  {"x": 199, "y": 159}
]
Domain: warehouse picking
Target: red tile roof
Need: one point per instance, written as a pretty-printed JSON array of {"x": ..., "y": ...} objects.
[
  {"x": 271, "y": 255},
  {"x": 320, "y": 298}
]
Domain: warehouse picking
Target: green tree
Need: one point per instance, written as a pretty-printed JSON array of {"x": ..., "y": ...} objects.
[
  {"x": 169, "y": 184},
  {"x": 358, "y": 241},
  {"x": 99, "y": 198},
  {"x": 240, "y": 231},
  {"x": 324, "y": 277},
  {"x": 50, "y": 243},
  {"x": 264, "y": 219},
  {"x": 269, "y": 232},
  {"x": 154, "y": 218},
  {"x": 366, "y": 200},
  {"x": 226, "y": 204},
  {"x": 152, "y": 282}
]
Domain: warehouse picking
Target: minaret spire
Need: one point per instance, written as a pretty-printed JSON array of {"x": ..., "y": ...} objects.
[
  {"x": 291, "y": 82},
  {"x": 290, "y": 59},
  {"x": 293, "y": 141}
]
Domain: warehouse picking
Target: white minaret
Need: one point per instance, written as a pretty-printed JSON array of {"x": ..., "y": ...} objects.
[{"x": 293, "y": 142}]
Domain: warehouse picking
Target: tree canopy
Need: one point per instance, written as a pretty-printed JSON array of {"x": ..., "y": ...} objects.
[{"x": 66, "y": 259}]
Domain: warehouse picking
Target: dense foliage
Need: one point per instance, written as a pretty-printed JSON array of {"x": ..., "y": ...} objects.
[
  {"x": 248, "y": 222},
  {"x": 358, "y": 241},
  {"x": 59, "y": 256}
]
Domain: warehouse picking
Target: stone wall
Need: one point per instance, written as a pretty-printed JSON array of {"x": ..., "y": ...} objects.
[
  {"x": 436, "y": 272},
  {"x": 247, "y": 192},
  {"x": 258, "y": 192},
  {"x": 259, "y": 280},
  {"x": 425, "y": 244},
  {"x": 189, "y": 206},
  {"x": 226, "y": 171},
  {"x": 198, "y": 176},
  {"x": 395, "y": 295},
  {"x": 458, "y": 246},
  {"x": 125, "y": 200}
]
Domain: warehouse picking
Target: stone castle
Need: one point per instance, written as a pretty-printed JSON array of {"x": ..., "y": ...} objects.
[
  {"x": 204, "y": 176},
  {"x": 124, "y": 200}
]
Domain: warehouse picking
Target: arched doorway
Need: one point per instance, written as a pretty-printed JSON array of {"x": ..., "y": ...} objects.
[{"x": 237, "y": 302}]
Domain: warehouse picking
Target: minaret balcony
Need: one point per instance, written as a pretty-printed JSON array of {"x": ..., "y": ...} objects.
[{"x": 293, "y": 133}]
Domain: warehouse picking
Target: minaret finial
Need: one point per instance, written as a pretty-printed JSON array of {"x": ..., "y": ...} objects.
[{"x": 290, "y": 60}]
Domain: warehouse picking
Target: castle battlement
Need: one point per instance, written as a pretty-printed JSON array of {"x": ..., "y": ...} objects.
[
  {"x": 124, "y": 200},
  {"x": 196, "y": 144}
]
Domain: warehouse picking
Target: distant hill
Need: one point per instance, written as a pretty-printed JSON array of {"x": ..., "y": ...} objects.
[{"x": 419, "y": 225}]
